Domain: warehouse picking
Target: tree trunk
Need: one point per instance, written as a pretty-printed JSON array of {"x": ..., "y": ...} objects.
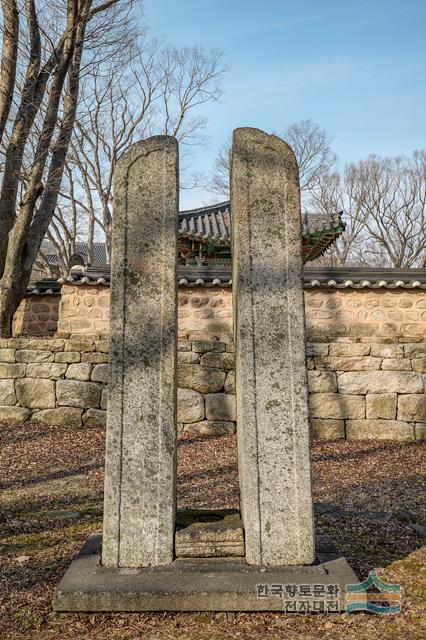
[
  {"x": 11, "y": 294},
  {"x": 8, "y": 59}
]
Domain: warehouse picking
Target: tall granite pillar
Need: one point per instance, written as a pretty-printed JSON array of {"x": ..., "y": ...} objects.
[
  {"x": 271, "y": 385},
  {"x": 140, "y": 482}
]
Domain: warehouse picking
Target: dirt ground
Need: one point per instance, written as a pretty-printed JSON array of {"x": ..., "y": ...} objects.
[{"x": 366, "y": 494}]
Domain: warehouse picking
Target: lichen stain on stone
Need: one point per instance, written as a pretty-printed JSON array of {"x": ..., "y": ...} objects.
[
  {"x": 133, "y": 276},
  {"x": 272, "y": 403}
]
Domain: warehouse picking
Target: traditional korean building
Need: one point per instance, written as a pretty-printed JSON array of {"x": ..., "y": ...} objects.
[{"x": 205, "y": 235}]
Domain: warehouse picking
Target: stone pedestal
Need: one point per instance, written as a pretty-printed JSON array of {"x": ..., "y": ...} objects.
[
  {"x": 139, "y": 510},
  {"x": 204, "y": 584},
  {"x": 271, "y": 386}
]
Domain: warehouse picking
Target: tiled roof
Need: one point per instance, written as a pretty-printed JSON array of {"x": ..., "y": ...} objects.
[
  {"x": 335, "y": 277},
  {"x": 215, "y": 223},
  {"x": 364, "y": 278},
  {"x": 207, "y": 223},
  {"x": 81, "y": 249}
]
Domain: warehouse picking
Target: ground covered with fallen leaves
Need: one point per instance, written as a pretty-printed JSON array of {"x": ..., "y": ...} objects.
[{"x": 369, "y": 497}]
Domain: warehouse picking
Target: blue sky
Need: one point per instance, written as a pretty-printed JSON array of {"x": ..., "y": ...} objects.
[{"x": 356, "y": 67}]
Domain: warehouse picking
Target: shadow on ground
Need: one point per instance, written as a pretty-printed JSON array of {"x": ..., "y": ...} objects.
[{"x": 366, "y": 496}]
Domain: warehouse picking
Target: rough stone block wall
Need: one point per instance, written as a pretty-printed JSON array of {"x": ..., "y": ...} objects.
[
  {"x": 358, "y": 390},
  {"x": 37, "y": 316},
  {"x": 367, "y": 390},
  {"x": 53, "y": 381},
  {"x": 206, "y": 387}
]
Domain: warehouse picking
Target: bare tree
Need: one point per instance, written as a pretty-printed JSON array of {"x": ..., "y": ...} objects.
[
  {"x": 160, "y": 91},
  {"x": 38, "y": 134},
  {"x": 9, "y": 56},
  {"x": 311, "y": 145},
  {"x": 384, "y": 200}
]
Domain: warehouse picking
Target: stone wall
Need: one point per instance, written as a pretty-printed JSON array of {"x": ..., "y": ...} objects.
[
  {"x": 53, "y": 381},
  {"x": 366, "y": 312},
  {"x": 367, "y": 391},
  {"x": 206, "y": 312},
  {"x": 358, "y": 390},
  {"x": 37, "y": 316},
  {"x": 84, "y": 309}
]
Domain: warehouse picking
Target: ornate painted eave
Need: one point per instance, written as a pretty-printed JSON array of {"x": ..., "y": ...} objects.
[{"x": 213, "y": 224}]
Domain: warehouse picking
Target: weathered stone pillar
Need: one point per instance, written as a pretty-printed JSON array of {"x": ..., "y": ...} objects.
[
  {"x": 140, "y": 476},
  {"x": 271, "y": 387}
]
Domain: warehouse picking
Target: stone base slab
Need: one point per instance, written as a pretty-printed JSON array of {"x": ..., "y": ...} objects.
[{"x": 214, "y": 584}]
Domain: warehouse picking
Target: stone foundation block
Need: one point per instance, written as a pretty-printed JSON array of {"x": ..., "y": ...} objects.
[
  {"x": 412, "y": 408},
  {"x": 190, "y": 405},
  {"x": 12, "y": 370},
  {"x": 381, "y": 405},
  {"x": 348, "y": 363},
  {"x": 349, "y": 349},
  {"x": 361, "y": 382},
  {"x": 7, "y": 355},
  {"x": 191, "y": 585},
  {"x": 7, "y": 392},
  {"x": 201, "y": 379},
  {"x": 230, "y": 382},
  {"x": 220, "y": 406},
  {"x": 33, "y": 355},
  {"x": 68, "y": 357},
  {"x": 61, "y": 417},
  {"x": 203, "y": 346},
  {"x": 379, "y": 430},
  {"x": 327, "y": 429},
  {"x": 94, "y": 418},
  {"x": 14, "y": 415},
  {"x": 336, "y": 405},
  {"x": 322, "y": 381},
  {"x": 35, "y": 393},
  {"x": 79, "y": 371},
  {"x": 50, "y": 370},
  {"x": 221, "y": 360},
  {"x": 210, "y": 427},
  {"x": 74, "y": 393},
  {"x": 419, "y": 364},
  {"x": 100, "y": 373}
]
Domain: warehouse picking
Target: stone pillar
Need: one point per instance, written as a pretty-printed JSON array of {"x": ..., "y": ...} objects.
[
  {"x": 140, "y": 477},
  {"x": 271, "y": 385}
]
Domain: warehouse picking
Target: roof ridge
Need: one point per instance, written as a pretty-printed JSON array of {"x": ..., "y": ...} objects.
[{"x": 207, "y": 208}]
